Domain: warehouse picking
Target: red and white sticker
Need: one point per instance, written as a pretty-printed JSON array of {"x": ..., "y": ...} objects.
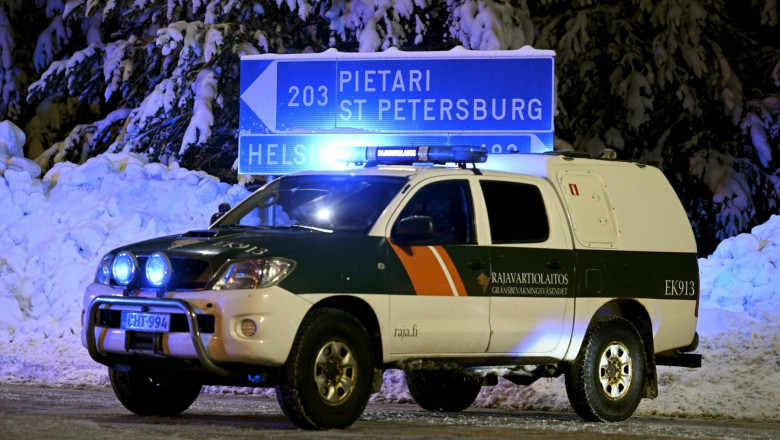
[{"x": 574, "y": 190}]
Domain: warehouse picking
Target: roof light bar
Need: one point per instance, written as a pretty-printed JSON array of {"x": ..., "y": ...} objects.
[
  {"x": 457, "y": 154},
  {"x": 410, "y": 155}
]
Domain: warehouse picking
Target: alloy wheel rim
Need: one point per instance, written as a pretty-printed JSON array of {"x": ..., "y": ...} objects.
[
  {"x": 616, "y": 370},
  {"x": 335, "y": 371}
]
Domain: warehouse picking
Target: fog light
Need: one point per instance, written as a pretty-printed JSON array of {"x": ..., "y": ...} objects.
[{"x": 248, "y": 327}]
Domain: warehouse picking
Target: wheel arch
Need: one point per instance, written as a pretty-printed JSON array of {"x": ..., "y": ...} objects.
[
  {"x": 364, "y": 313},
  {"x": 635, "y": 313}
]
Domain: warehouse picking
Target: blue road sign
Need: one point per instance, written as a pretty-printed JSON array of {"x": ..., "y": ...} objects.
[
  {"x": 289, "y": 153},
  {"x": 452, "y": 97}
]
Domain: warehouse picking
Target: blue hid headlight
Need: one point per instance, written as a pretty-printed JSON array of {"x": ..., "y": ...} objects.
[
  {"x": 252, "y": 274},
  {"x": 124, "y": 267},
  {"x": 158, "y": 269}
]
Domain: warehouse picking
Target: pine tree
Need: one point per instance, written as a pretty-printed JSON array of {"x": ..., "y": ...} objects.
[
  {"x": 11, "y": 97},
  {"x": 671, "y": 82},
  {"x": 161, "y": 77},
  {"x": 692, "y": 86}
]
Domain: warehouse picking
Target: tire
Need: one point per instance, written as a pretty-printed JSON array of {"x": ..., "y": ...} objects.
[
  {"x": 441, "y": 390},
  {"x": 606, "y": 381},
  {"x": 327, "y": 379},
  {"x": 152, "y": 395}
]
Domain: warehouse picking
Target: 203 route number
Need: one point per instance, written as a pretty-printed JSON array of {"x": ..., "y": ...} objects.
[
  {"x": 308, "y": 96},
  {"x": 146, "y": 322}
]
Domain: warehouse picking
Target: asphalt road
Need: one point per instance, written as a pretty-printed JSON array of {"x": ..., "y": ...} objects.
[{"x": 30, "y": 412}]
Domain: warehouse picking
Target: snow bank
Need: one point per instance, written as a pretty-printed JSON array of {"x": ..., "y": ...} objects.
[{"x": 56, "y": 228}]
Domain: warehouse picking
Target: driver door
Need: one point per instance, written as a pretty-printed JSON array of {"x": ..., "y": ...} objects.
[{"x": 445, "y": 309}]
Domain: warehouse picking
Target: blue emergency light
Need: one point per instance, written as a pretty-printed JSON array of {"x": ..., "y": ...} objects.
[{"x": 412, "y": 155}]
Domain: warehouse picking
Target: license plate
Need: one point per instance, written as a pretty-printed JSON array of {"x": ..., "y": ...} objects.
[{"x": 146, "y": 322}]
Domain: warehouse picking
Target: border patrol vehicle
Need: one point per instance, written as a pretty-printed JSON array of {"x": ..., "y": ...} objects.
[{"x": 519, "y": 266}]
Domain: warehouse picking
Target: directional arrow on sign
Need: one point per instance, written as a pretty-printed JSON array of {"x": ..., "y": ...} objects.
[{"x": 261, "y": 96}]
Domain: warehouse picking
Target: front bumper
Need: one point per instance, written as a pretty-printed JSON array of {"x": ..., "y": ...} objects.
[
  {"x": 204, "y": 357},
  {"x": 220, "y": 348}
]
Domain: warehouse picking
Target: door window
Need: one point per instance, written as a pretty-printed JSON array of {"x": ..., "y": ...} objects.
[
  {"x": 516, "y": 211},
  {"x": 448, "y": 203}
]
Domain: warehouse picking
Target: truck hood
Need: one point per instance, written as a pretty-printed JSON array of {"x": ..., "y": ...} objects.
[
  {"x": 219, "y": 245},
  {"x": 339, "y": 261}
]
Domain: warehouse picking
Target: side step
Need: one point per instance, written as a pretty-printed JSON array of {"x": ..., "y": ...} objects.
[{"x": 688, "y": 360}]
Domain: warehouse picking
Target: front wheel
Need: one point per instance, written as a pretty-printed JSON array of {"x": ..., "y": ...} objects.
[
  {"x": 149, "y": 394},
  {"x": 606, "y": 381},
  {"x": 442, "y": 390},
  {"x": 327, "y": 379}
]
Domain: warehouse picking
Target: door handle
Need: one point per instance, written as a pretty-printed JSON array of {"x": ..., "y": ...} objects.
[
  {"x": 555, "y": 264},
  {"x": 476, "y": 263}
]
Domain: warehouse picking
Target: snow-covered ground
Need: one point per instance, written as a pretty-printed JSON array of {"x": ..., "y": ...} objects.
[{"x": 55, "y": 228}]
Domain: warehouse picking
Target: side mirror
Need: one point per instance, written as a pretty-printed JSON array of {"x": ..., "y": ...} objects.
[
  {"x": 416, "y": 229},
  {"x": 222, "y": 209}
]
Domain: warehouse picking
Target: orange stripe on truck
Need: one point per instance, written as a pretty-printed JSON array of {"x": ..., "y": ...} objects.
[
  {"x": 450, "y": 266},
  {"x": 431, "y": 270}
]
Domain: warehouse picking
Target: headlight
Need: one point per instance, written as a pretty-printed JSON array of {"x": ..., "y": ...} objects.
[
  {"x": 252, "y": 274},
  {"x": 158, "y": 269},
  {"x": 124, "y": 267},
  {"x": 103, "y": 274}
]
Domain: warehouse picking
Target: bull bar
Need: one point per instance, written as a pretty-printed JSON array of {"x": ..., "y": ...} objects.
[{"x": 203, "y": 355}]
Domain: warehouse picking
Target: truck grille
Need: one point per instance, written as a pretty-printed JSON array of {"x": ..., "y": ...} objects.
[
  {"x": 187, "y": 274},
  {"x": 113, "y": 318}
]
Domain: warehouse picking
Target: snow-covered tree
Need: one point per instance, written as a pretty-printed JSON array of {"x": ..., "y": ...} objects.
[
  {"x": 161, "y": 77},
  {"x": 677, "y": 83},
  {"x": 11, "y": 95},
  {"x": 692, "y": 86}
]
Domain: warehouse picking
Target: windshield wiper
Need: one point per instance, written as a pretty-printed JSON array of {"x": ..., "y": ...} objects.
[
  {"x": 300, "y": 226},
  {"x": 310, "y": 228},
  {"x": 245, "y": 227}
]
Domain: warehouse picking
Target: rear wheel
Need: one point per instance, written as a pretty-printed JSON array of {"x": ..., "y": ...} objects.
[
  {"x": 441, "y": 390},
  {"x": 150, "y": 394},
  {"x": 327, "y": 379},
  {"x": 606, "y": 381}
]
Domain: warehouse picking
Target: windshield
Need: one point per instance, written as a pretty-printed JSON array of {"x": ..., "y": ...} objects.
[{"x": 332, "y": 202}]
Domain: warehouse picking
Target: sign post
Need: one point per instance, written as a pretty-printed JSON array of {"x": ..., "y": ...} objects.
[{"x": 295, "y": 106}]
